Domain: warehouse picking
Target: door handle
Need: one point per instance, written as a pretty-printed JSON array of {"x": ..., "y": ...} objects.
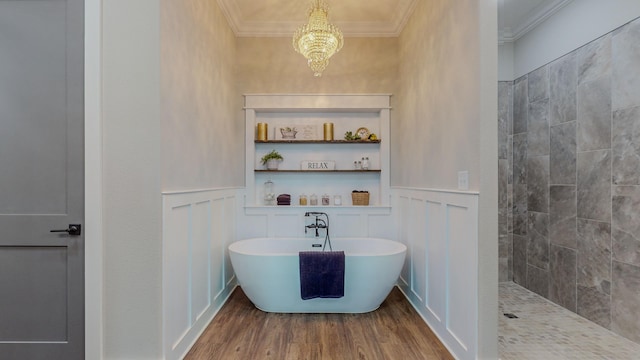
[{"x": 73, "y": 229}]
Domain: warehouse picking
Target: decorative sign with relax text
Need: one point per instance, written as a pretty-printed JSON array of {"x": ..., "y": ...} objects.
[{"x": 318, "y": 165}]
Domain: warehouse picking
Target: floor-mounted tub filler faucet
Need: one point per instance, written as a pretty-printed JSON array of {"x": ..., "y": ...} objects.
[{"x": 319, "y": 224}]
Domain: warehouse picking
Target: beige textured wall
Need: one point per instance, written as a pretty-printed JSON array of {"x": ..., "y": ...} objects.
[
  {"x": 436, "y": 129},
  {"x": 270, "y": 65},
  {"x": 446, "y": 122},
  {"x": 202, "y": 143}
]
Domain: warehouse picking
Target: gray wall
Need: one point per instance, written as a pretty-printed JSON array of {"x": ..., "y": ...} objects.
[
  {"x": 132, "y": 207},
  {"x": 569, "y": 168}
]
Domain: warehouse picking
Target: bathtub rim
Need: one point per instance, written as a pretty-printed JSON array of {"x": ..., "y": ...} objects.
[{"x": 401, "y": 248}]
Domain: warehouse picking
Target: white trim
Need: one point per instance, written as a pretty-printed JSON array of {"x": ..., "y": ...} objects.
[
  {"x": 317, "y": 94},
  {"x": 389, "y": 28},
  {"x": 435, "y": 190},
  {"x": 531, "y": 20},
  {"x": 230, "y": 11},
  {"x": 328, "y": 102},
  {"x": 178, "y": 192},
  {"x": 93, "y": 225}
]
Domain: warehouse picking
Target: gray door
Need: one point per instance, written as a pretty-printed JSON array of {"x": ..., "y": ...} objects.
[{"x": 41, "y": 179}]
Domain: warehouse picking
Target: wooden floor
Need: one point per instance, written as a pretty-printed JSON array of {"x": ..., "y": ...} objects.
[{"x": 394, "y": 331}]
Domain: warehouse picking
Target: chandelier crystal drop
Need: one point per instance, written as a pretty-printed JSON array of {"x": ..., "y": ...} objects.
[{"x": 318, "y": 40}]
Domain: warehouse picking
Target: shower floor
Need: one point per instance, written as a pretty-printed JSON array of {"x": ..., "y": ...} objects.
[{"x": 544, "y": 330}]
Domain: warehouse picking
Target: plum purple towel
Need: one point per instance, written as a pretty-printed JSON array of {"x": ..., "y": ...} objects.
[{"x": 321, "y": 274}]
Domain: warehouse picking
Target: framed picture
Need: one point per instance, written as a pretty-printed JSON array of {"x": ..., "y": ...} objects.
[{"x": 296, "y": 132}]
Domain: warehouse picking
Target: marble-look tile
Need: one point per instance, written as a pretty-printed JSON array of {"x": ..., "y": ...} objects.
[
  {"x": 594, "y": 255},
  {"x": 594, "y": 115},
  {"x": 625, "y": 223},
  {"x": 538, "y": 184},
  {"x": 539, "y": 84},
  {"x": 594, "y": 59},
  {"x": 562, "y": 277},
  {"x": 510, "y": 158},
  {"x": 520, "y": 105},
  {"x": 503, "y": 270},
  {"x": 625, "y": 300},
  {"x": 503, "y": 181},
  {"x": 544, "y": 330},
  {"x": 562, "y": 166},
  {"x": 625, "y": 60},
  {"x": 520, "y": 259},
  {"x": 510, "y": 257},
  {"x": 503, "y": 258},
  {"x": 562, "y": 215},
  {"x": 538, "y": 281},
  {"x": 505, "y": 116},
  {"x": 520, "y": 158},
  {"x": 538, "y": 245},
  {"x": 503, "y": 246},
  {"x": 520, "y": 217},
  {"x": 510, "y": 209},
  {"x": 563, "y": 82},
  {"x": 538, "y": 128},
  {"x": 594, "y": 185},
  {"x": 502, "y": 221},
  {"x": 505, "y": 99},
  {"x": 625, "y": 146},
  {"x": 595, "y": 306},
  {"x": 503, "y": 251}
]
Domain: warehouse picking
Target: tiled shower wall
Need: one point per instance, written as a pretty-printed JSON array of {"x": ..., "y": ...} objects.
[
  {"x": 569, "y": 191},
  {"x": 505, "y": 180}
]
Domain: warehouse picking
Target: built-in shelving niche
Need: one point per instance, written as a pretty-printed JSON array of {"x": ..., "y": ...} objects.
[{"x": 347, "y": 113}]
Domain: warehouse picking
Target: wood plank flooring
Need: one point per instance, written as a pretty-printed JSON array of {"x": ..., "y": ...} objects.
[{"x": 242, "y": 332}]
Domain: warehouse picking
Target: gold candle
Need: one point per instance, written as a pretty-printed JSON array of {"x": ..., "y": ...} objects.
[
  {"x": 328, "y": 131},
  {"x": 262, "y": 132}
]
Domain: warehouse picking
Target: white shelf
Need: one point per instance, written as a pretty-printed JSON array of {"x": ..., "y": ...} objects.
[
  {"x": 318, "y": 171},
  {"x": 297, "y": 209}
]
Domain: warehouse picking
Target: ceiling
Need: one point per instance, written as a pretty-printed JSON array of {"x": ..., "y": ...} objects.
[
  {"x": 375, "y": 18},
  {"x": 371, "y": 18}
]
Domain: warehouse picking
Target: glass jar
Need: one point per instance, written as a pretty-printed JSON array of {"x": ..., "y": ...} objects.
[
  {"x": 326, "y": 200},
  {"x": 269, "y": 195},
  {"x": 313, "y": 200},
  {"x": 337, "y": 200},
  {"x": 303, "y": 199}
]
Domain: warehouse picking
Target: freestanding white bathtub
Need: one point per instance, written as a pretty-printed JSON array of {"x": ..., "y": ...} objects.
[{"x": 268, "y": 272}]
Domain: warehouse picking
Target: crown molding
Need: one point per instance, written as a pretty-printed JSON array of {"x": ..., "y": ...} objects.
[
  {"x": 231, "y": 13},
  {"x": 531, "y": 20},
  {"x": 391, "y": 28}
]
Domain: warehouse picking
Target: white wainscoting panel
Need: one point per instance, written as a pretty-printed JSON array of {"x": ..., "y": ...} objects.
[
  {"x": 436, "y": 302},
  {"x": 401, "y": 209},
  {"x": 196, "y": 274},
  {"x": 418, "y": 249},
  {"x": 440, "y": 229}
]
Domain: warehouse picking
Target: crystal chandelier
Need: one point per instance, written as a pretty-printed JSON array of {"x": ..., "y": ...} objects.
[{"x": 318, "y": 40}]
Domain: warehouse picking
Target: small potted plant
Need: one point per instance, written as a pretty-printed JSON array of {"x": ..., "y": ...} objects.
[{"x": 272, "y": 159}]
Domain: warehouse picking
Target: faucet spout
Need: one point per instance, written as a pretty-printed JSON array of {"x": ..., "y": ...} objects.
[{"x": 319, "y": 223}]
